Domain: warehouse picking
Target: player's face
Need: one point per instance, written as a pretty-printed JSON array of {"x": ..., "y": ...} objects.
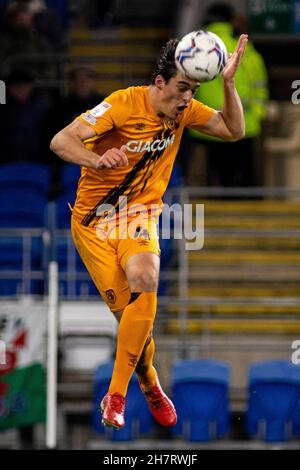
[{"x": 176, "y": 95}]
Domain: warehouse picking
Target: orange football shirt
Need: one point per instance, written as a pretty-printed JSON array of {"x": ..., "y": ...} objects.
[{"x": 127, "y": 118}]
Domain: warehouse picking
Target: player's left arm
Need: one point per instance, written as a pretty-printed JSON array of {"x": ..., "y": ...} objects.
[{"x": 229, "y": 124}]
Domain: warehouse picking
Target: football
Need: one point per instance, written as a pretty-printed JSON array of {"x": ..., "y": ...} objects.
[{"x": 201, "y": 55}]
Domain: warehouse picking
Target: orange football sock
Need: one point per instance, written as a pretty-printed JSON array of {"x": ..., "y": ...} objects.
[
  {"x": 144, "y": 368},
  {"x": 134, "y": 329}
]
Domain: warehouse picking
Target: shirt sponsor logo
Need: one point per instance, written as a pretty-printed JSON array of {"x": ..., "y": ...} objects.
[
  {"x": 111, "y": 296},
  {"x": 100, "y": 109},
  {"x": 89, "y": 118},
  {"x": 148, "y": 146}
]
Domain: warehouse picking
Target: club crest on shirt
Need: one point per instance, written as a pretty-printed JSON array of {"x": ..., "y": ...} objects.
[
  {"x": 110, "y": 295},
  {"x": 171, "y": 123}
]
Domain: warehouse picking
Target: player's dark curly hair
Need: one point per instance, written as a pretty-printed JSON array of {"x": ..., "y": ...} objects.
[{"x": 165, "y": 64}]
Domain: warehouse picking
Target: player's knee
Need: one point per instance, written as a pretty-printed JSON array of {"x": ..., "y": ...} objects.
[{"x": 144, "y": 281}]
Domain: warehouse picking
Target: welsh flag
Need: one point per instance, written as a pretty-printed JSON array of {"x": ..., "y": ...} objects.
[{"x": 22, "y": 359}]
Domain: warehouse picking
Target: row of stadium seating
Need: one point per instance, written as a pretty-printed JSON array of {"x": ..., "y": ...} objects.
[
  {"x": 249, "y": 269},
  {"x": 128, "y": 54},
  {"x": 24, "y": 190},
  {"x": 24, "y": 217},
  {"x": 273, "y": 410},
  {"x": 24, "y": 194}
]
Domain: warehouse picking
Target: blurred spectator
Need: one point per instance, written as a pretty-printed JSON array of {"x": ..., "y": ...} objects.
[
  {"x": 46, "y": 21},
  {"x": 28, "y": 28},
  {"x": 19, "y": 32},
  {"x": 102, "y": 13},
  {"x": 233, "y": 163},
  {"x": 23, "y": 120},
  {"x": 81, "y": 95}
]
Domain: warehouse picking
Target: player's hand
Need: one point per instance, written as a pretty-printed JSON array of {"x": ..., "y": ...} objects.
[
  {"x": 112, "y": 158},
  {"x": 234, "y": 59}
]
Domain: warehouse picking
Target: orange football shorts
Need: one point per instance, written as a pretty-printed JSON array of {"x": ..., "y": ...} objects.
[{"x": 105, "y": 253}]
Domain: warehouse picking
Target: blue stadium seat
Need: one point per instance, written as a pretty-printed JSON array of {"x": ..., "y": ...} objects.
[
  {"x": 24, "y": 191},
  {"x": 296, "y": 421},
  {"x": 69, "y": 179},
  {"x": 200, "y": 395},
  {"x": 23, "y": 194},
  {"x": 11, "y": 259},
  {"x": 274, "y": 400},
  {"x": 70, "y": 175},
  {"x": 167, "y": 245},
  {"x": 138, "y": 419},
  {"x": 176, "y": 179},
  {"x": 72, "y": 287},
  {"x": 63, "y": 212}
]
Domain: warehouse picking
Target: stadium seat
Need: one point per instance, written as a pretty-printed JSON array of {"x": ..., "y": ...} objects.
[
  {"x": 176, "y": 179},
  {"x": 23, "y": 199},
  {"x": 11, "y": 261},
  {"x": 200, "y": 395},
  {"x": 273, "y": 400},
  {"x": 23, "y": 194},
  {"x": 69, "y": 179},
  {"x": 139, "y": 421},
  {"x": 167, "y": 245},
  {"x": 70, "y": 175},
  {"x": 70, "y": 263},
  {"x": 296, "y": 421},
  {"x": 63, "y": 212}
]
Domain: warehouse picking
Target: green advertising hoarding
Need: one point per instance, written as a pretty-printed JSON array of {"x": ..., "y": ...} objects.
[{"x": 272, "y": 16}]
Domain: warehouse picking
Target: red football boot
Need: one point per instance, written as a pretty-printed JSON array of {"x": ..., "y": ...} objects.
[
  {"x": 113, "y": 408},
  {"x": 160, "y": 405}
]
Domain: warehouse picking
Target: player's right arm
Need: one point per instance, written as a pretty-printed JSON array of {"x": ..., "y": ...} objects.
[{"x": 68, "y": 144}]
